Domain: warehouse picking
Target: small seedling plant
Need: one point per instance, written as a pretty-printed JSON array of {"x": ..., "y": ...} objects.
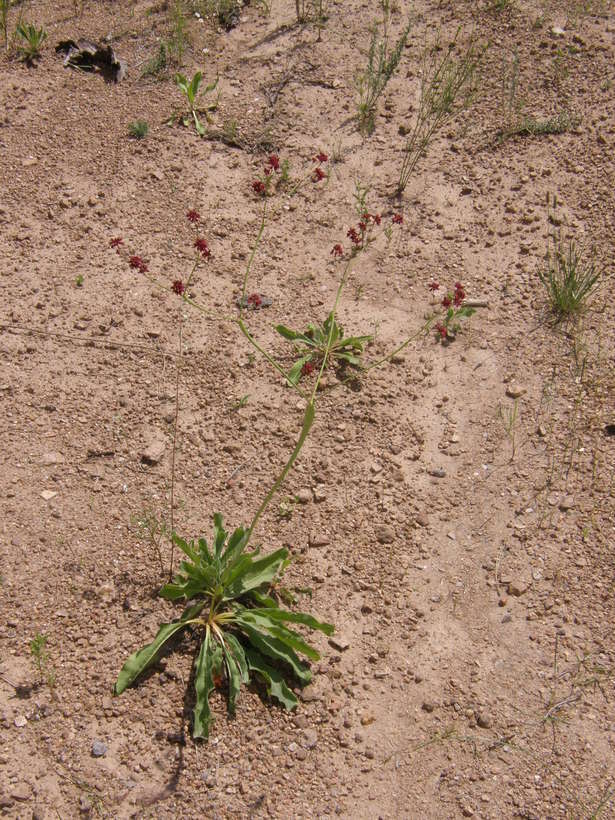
[
  {"x": 569, "y": 279},
  {"x": 242, "y": 630},
  {"x": 191, "y": 91},
  {"x": 30, "y": 50},
  {"x": 5, "y": 7},
  {"x": 447, "y": 88},
  {"x": 382, "y": 62},
  {"x": 40, "y": 658},
  {"x": 314, "y": 343},
  {"x": 138, "y": 129}
]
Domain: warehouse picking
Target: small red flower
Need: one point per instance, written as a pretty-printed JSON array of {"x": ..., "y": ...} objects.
[
  {"x": 255, "y": 300},
  {"x": 398, "y": 219},
  {"x": 337, "y": 250},
  {"x": 259, "y": 187},
  {"x": 319, "y": 174},
  {"x": 377, "y": 219},
  {"x": 320, "y": 158},
  {"x": 178, "y": 287},
  {"x": 459, "y": 297},
  {"x": 307, "y": 369},
  {"x": 362, "y": 227},
  {"x": 115, "y": 243},
  {"x": 203, "y": 248},
  {"x": 267, "y": 170},
  {"x": 458, "y": 286},
  {"x": 434, "y": 286},
  {"x": 138, "y": 263},
  {"x": 447, "y": 302},
  {"x": 274, "y": 162},
  {"x": 441, "y": 329},
  {"x": 354, "y": 236},
  {"x": 193, "y": 216}
]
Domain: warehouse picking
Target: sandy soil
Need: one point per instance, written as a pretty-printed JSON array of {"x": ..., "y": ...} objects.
[{"x": 459, "y": 505}]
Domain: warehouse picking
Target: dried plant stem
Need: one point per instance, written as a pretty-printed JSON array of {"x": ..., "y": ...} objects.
[{"x": 177, "y": 379}]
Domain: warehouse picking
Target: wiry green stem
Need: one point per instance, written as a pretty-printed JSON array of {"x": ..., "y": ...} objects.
[
  {"x": 308, "y": 419},
  {"x": 251, "y": 259}
]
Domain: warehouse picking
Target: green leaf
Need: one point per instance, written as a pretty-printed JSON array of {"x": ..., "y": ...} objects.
[
  {"x": 356, "y": 342},
  {"x": 347, "y": 357},
  {"x": 274, "y": 681},
  {"x": 187, "y": 549},
  {"x": 259, "y": 572},
  {"x": 182, "y": 83},
  {"x": 289, "y": 334},
  {"x": 274, "y": 648},
  {"x": 193, "y": 88},
  {"x": 204, "y": 551},
  {"x": 208, "y": 663},
  {"x": 239, "y": 654},
  {"x": 296, "y": 618},
  {"x": 211, "y": 86},
  {"x": 294, "y": 374},
  {"x": 219, "y": 535},
  {"x": 197, "y": 124},
  {"x": 236, "y": 668},
  {"x": 139, "y": 661},
  {"x": 236, "y": 545},
  {"x": 263, "y": 600},
  {"x": 265, "y": 620}
]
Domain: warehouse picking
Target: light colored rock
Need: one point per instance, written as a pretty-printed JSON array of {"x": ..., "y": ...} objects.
[
  {"x": 155, "y": 444},
  {"x": 21, "y": 792},
  {"x": 339, "y": 642},
  {"x": 47, "y": 495},
  {"x": 519, "y": 585},
  {"x": 384, "y": 534},
  {"x": 48, "y": 459},
  {"x": 515, "y": 391}
]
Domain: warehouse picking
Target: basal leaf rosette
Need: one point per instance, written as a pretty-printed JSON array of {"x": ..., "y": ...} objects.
[{"x": 243, "y": 630}]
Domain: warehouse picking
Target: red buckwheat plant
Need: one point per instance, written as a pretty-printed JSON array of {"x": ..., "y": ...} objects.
[{"x": 449, "y": 326}]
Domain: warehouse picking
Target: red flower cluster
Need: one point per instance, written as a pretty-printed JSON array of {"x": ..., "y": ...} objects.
[
  {"x": 337, "y": 250},
  {"x": 307, "y": 369},
  {"x": 138, "y": 263},
  {"x": 375, "y": 218},
  {"x": 272, "y": 166},
  {"x": 354, "y": 237},
  {"x": 460, "y": 294},
  {"x": 434, "y": 286},
  {"x": 115, "y": 243},
  {"x": 201, "y": 245},
  {"x": 178, "y": 287},
  {"x": 398, "y": 219},
  {"x": 441, "y": 329},
  {"x": 193, "y": 216},
  {"x": 456, "y": 299},
  {"x": 319, "y": 174},
  {"x": 255, "y": 300}
]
